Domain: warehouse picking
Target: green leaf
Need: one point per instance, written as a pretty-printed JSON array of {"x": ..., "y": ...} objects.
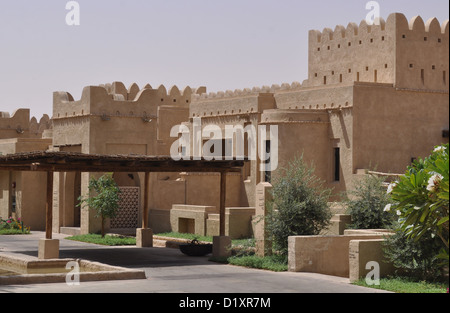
[{"x": 442, "y": 221}]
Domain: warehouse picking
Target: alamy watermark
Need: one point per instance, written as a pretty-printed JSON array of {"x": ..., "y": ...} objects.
[
  {"x": 73, "y": 16},
  {"x": 233, "y": 142},
  {"x": 373, "y": 17},
  {"x": 373, "y": 277},
  {"x": 73, "y": 277}
]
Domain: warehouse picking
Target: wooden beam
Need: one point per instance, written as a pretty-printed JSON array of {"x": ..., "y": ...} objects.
[
  {"x": 146, "y": 201},
  {"x": 223, "y": 188},
  {"x": 49, "y": 207}
]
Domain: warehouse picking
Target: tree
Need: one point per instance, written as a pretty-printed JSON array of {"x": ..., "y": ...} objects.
[
  {"x": 421, "y": 199},
  {"x": 299, "y": 205},
  {"x": 366, "y": 202},
  {"x": 106, "y": 201}
]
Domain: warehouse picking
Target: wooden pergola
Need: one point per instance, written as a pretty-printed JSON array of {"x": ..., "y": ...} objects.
[{"x": 51, "y": 162}]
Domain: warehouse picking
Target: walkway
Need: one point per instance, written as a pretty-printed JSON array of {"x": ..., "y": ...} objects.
[{"x": 169, "y": 271}]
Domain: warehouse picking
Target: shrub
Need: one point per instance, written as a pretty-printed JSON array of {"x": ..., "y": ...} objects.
[
  {"x": 299, "y": 205},
  {"x": 366, "y": 204},
  {"x": 415, "y": 259},
  {"x": 420, "y": 199}
]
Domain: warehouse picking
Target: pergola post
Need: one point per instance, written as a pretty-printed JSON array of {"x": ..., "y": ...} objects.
[
  {"x": 144, "y": 235},
  {"x": 49, "y": 248},
  {"x": 222, "y": 243}
]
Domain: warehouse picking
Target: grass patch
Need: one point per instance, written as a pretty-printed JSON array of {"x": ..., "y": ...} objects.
[
  {"x": 108, "y": 240},
  {"x": 406, "y": 285},
  {"x": 7, "y": 232},
  {"x": 273, "y": 263}
]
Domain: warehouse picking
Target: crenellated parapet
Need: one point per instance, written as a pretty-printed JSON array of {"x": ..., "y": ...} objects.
[
  {"x": 373, "y": 53},
  {"x": 239, "y": 101},
  {"x": 19, "y": 125},
  {"x": 117, "y": 100}
]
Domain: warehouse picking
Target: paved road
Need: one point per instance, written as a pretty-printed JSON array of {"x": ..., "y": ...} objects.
[{"x": 169, "y": 271}]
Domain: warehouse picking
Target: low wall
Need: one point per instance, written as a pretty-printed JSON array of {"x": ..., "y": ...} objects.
[
  {"x": 361, "y": 252},
  {"x": 190, "y": 218},
  {"x": 327, "y": 255},
  {"x": 238, "y": 223}
]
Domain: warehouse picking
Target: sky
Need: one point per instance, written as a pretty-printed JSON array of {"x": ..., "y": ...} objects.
[{"x": 223, "y": 45}]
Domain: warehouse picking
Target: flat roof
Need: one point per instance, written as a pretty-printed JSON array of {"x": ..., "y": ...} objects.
[{"x": 55, "y": 161}]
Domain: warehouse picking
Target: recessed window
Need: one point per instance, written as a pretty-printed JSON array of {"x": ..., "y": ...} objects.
[
  {"x": 328, "y": 47},
  {"x": 367, "y": 68},
  {"x": 439, "y": 40},
  {"x": 411, "y": 65},
  {"x": 382, "y": 38},
  {"x": 349, "y": 70},
  {"x": 433, "y": 67},
  {"x": 315, "y": 75},
  {"x": 425, "y": 38},
  {"x": 332, "y": 72},
  {"x": 337, "y": 164},
  {"x": 360, "y": 42},
  {"x": 318, "y": 49},
  {"x": 371, "y": 40},
  {"x": 403, "y": 36},
  {"x": 349, "y": 44},
  {"x": 385, "y": 66},
  {"x": 339, "y": 46}
]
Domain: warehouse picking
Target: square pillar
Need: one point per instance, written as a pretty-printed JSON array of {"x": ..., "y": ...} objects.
[
  {"x": 221, "y": 246},
  {"x": 144, "y": 238},
  {"x": 48, "y": 249}
]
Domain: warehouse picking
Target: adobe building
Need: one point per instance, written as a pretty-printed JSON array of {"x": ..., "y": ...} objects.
[
  {"x": 21, "y": 193},
  {"x": 375, "y": 97}
]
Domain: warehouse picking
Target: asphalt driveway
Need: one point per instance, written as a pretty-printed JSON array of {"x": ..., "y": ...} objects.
[{"x": 169, "y": 271}]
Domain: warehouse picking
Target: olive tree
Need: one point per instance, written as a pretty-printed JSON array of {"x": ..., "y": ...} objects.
[
  {"x": 103, "y": 198},
  {"x": 299, "y": 205}
]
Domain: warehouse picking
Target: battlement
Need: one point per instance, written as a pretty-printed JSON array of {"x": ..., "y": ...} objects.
[
  {"x": 374, "y": 53},
  {"x": 117, "y": 100},
  {"x": 19, "y": 124},
  {"x": 246, "y": 92},
  {"x": 395, "y": 21}
]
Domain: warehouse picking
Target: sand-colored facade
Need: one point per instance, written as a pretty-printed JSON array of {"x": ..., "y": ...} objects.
[{"x": 375, "y": 97}]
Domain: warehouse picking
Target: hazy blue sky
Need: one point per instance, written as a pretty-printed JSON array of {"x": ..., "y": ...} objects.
[{"x": 219, "y": 44}]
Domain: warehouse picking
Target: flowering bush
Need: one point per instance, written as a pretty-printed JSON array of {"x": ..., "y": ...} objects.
[
  {"x": 420, "y": 199},
  {"x": 12, "y": 225}
]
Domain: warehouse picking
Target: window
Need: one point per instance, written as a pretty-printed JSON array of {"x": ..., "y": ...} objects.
[
  {"x": 337, "y": 164},
  {"x": 422, "y": 75},
  {"x": 267, "y": 173}
]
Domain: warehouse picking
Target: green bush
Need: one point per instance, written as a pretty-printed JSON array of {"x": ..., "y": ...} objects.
[
  {"x": 299, "y": 206},
  {"x": 420, "y": 200},
  {"x": 415, "y": 259},
  {"x": 366, "y": 204}
]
